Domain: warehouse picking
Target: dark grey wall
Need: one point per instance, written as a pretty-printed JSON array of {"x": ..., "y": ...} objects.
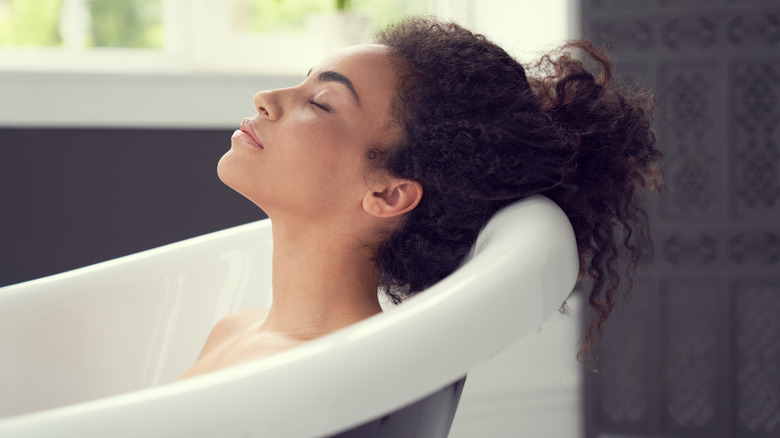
[
  {"x": 74, "y": 197},
  {"x": 696, "y": 353}
]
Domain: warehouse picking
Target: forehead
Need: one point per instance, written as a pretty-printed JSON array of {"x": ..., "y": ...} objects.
[
  {"x": 361, "y": 57},
  {"x": 370, "y": 69}
]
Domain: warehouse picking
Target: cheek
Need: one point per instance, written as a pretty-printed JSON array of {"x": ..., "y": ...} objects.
[{"x": 318, "y": 150}]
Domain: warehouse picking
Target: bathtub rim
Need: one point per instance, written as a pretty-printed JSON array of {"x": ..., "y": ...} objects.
[{"x": 329, "y": 351}]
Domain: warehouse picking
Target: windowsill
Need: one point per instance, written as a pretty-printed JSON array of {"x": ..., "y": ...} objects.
[{"x": 94, "y": 60}]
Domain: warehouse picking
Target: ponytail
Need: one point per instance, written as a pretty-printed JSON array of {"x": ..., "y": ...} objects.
[{"x": 608, "y": 132}]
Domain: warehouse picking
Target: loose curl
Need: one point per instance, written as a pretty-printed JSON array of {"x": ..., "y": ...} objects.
[{"x": 479, "y": 134}]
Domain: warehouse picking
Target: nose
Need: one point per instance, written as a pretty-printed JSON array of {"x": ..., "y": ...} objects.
[{"x": 268, "y": 105}]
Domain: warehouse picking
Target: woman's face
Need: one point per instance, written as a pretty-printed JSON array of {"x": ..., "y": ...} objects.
[{"x": 305, "y": 151}]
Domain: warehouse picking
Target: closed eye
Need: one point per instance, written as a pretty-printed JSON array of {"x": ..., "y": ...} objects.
[{"x": 319, "y": 105}]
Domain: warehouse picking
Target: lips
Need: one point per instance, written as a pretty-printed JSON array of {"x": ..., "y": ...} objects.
[{"x": 247, "y": 134}]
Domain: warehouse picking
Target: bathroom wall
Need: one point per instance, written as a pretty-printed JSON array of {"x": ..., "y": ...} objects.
[{"x": 694, "y": 353}]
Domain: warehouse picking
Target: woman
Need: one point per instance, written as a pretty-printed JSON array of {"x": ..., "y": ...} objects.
[{"x": 381, "y": 167}]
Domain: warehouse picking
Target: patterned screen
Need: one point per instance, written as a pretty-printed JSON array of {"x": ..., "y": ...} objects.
[{"x": 696, "y": 353}]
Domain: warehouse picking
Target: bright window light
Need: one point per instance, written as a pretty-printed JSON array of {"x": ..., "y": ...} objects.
[{"x": 225, "y": 36}]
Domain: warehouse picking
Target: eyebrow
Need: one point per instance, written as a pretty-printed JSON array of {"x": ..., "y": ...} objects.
[{"x": 332, "y": 76}]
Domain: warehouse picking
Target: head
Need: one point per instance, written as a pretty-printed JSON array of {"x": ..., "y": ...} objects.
[
  {"x": 475, "y": 138},
  {"x": 309, "y": 154}
]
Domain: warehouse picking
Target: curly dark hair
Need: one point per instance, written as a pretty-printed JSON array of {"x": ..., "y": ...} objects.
[{"x": 479, "y": 134}]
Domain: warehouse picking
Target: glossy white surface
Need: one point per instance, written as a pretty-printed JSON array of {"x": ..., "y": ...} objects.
[{"x": 91, "y": 352}]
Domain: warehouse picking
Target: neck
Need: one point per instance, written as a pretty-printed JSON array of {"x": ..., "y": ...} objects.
[{"x": 322, "y": 281}]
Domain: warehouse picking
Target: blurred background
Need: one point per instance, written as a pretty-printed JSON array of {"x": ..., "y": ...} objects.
[{"x": 113, "y": 115}]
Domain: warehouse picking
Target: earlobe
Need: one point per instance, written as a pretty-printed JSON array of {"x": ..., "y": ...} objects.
[{"x": 397, "y": 198}]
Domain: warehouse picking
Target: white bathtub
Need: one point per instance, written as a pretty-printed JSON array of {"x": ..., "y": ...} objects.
[{"x": 92, "y": 352}]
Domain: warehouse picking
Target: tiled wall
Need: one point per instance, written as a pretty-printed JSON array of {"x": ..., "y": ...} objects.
[{"x": 697, "y": 354}]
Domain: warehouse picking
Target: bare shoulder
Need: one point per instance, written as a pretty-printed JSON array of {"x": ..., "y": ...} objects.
[
  {"x": 225, "y": 335},
  {"x": 231, "y": 326},
  {"x": 241, "y": 319}
]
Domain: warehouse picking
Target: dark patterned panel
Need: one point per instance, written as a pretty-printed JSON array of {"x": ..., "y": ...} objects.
[
  {"x": 690, "y": 129},
  {"x": 758, "y": 29},
  {"x": 695, "y": 32},
  {"x": 688, "y": 33},
  {"x": 628, "y": 396},
  {"x": 685, "y": 250},
  {"x": 748, "y": 251},
  {"x": 672, "y": 3},
  {"x": 756, "y": 136},
  {"x": 618, "y": 4},
  {"x": 693, "y": 384},
  {"x": 625, "y": 398},
  {"x": 757, "y": 248},
  {"x": 715, "y": 68},
  {"x": 630, "y": 36},
  {"x": 758, "y": 358}
]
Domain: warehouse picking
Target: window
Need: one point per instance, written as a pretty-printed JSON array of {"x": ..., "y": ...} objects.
[
  {"x": 81, "y": 24},
  {"x": 237, "y": 36}
]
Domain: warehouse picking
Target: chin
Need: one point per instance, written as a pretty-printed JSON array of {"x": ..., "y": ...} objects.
[
  {"x": 221, "y": 164},
  {"x": 230, "y": 173},
  {"x": 221, "y": 168},
  {"x": 233, "y": 173}
]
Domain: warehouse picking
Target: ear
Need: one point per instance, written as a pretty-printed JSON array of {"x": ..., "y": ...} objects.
[{"x": 398, "y": 196}]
